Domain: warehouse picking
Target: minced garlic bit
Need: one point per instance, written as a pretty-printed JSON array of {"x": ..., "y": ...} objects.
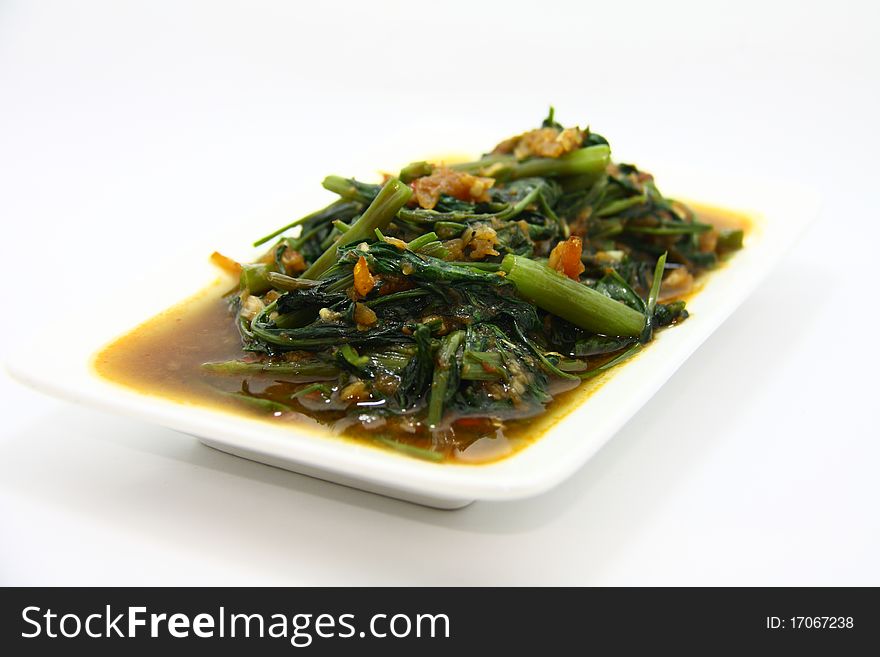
[
  {"x": 251, "y": 307},
  {"x": 293, "y": 262},
  {"x": 476, "y": 242},
  {"x": 364, "y": 316},
  {"x": 328, "y": 315},
  {"x": 356, "y": 391},
  {"x": 458, "y": 184},
  {"x": 543, "y": 142},
  {"x": 677, "y": 283},
  {"x": 483, "y": 242},
  {"x": 455, "y": 249},
  {"x": 393, "y": 241}
]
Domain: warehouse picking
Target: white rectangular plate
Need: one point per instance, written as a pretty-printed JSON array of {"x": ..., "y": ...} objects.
[{"x": 781, "y": 212}]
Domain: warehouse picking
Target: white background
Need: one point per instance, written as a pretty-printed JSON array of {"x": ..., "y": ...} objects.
[{"x": 163, "y": 122}]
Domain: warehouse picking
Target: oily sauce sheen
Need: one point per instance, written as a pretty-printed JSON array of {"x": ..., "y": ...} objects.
[{"x": 163, "y": 358}]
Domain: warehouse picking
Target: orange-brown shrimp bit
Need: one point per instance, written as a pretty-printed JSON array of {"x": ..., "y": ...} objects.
[
  {"x": 363, "y": 279},
  {"x": 566, "y": 257}
]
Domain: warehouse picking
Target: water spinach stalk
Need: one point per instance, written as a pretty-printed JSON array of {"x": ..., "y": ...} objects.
[
  {"x": 393, "y": 196},
  {"x": 577, "y": 303}
]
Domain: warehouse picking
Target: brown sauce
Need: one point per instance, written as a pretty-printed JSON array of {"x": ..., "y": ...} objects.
[{"x": 163, "y": 356}]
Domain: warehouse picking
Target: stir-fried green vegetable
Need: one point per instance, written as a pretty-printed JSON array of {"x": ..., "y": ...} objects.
[{"x": 469, "y": 292}]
